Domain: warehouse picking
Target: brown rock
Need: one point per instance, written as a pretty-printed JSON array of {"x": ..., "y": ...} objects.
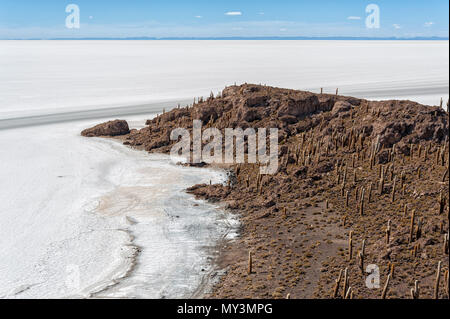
[
  {"x": 300, "y": 105},
  {"x": 111, "y": 128},
  {"x": 256, "y": 101},
  {"x": 341, "y": 106}
]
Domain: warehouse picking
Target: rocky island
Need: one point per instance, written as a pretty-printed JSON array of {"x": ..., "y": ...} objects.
[{"x": 358, "y": 207}]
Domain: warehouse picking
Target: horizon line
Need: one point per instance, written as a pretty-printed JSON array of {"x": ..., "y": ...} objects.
[{"x": 417, "y": 38}]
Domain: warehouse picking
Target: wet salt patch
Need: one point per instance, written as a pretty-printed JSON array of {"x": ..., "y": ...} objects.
[{"x": 174, "y": 231}]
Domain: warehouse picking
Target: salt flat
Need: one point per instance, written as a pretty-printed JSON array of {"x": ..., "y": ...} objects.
[
  {"x": 75, "y": 210},
  {"x": 52, "y": 76}
]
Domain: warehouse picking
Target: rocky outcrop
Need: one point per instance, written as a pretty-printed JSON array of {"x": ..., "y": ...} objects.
[
  {"x": 292, "y": 112},
  {"x": 111, "y": 128}
]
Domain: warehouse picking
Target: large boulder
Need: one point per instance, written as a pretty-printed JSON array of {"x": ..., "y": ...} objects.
[
  {"x": 300, "y": 105},
  {"x": 257, "y": 101},
  {"x": 393, "y": 132},
  {"x": 341, "y": 106},
  {"x": 111, "y": 128}
]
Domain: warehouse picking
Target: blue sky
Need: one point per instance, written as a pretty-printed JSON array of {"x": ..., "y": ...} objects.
[{"x": 200, "y": 18}]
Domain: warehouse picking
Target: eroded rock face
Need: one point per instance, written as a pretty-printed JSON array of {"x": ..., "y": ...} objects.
[
  {"x": 111, "y": 128},
  {"x": 341, "y": 106},
  {"x": 257, "y": 101},
  {"x": 405, "y": 122},
  {"x": 393, "y": 132},
  {"x": 300, "y": 105}
]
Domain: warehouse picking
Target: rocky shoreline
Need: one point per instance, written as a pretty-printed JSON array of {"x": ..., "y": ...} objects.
[{"x": 359, "y": 183}]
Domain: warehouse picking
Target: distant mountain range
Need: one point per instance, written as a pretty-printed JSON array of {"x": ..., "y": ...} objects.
[{"x": 244, "y": 38}]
